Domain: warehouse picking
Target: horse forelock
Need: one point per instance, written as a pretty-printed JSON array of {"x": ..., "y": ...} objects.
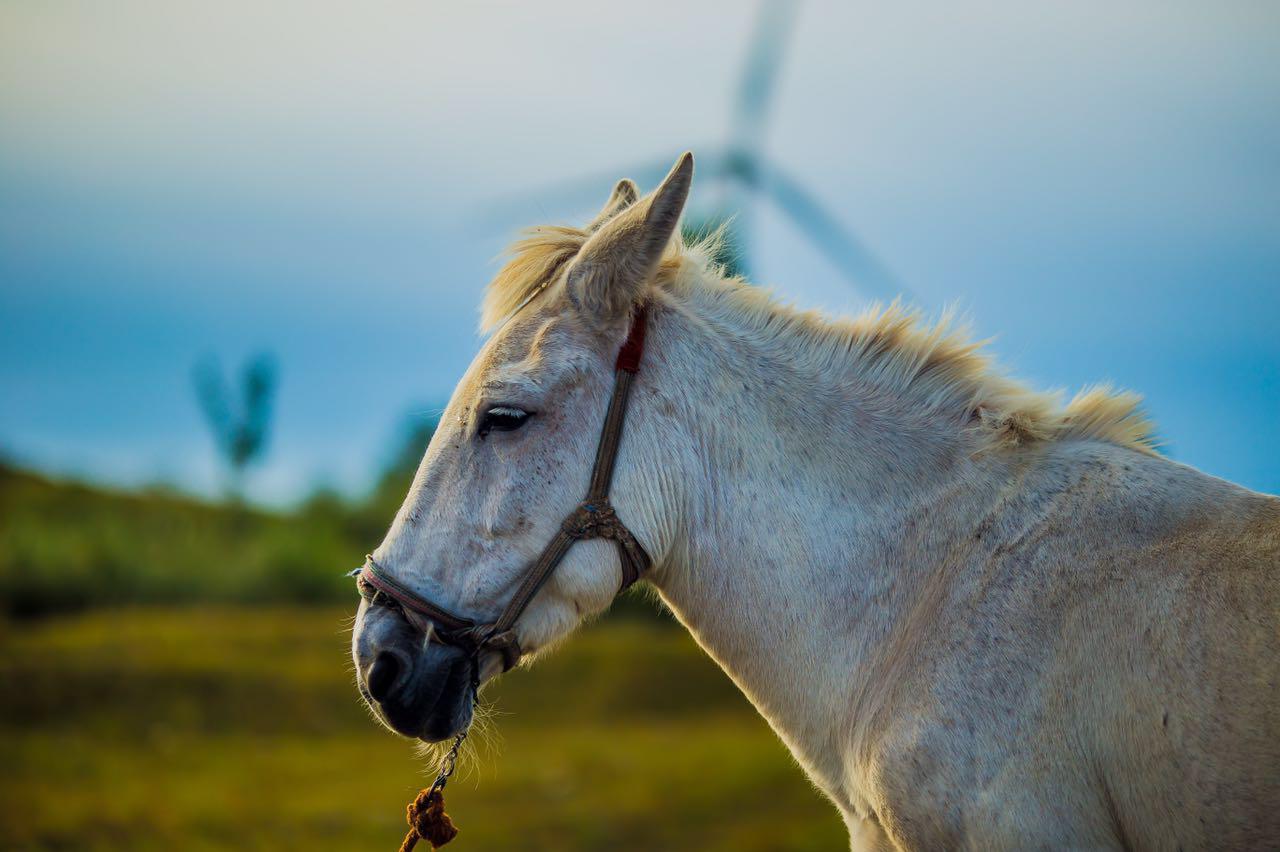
[{"x": 535, "y": 262}]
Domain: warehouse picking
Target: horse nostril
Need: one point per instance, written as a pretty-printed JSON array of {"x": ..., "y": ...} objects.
[{"x": 383, "y": 675}]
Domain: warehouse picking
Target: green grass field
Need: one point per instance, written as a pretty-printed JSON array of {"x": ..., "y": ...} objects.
[{"x": 239, "y": 728}]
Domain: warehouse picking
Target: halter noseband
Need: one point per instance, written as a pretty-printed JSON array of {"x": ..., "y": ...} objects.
[{"x": 593, "y": 518}]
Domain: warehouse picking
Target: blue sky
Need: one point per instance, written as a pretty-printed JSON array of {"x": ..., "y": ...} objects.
[{"x": 1097, "y": 187}]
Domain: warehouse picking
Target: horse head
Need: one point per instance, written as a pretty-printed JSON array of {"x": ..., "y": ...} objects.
[{"x": 511, "y": 459}]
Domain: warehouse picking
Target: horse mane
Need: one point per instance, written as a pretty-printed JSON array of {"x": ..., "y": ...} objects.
[{"x": 937, "y": 364}]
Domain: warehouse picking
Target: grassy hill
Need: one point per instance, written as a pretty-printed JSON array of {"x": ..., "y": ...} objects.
[{"x": 66, "y": 546}]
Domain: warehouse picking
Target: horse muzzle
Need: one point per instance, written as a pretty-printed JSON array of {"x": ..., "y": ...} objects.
[{"x": 418, "y": 688}]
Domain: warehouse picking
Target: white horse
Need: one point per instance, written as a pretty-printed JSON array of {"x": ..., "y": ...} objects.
[{"x": 977, "y": 617}]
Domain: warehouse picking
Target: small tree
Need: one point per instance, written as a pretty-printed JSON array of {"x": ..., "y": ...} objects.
[{"x": 238, "y": 417}]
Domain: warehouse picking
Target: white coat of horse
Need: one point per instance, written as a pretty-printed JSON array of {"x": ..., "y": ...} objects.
[{"x": 979, "y": 618}]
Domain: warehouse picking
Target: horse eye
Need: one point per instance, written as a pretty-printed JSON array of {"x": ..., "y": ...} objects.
[{"x": 502, "y": 418}]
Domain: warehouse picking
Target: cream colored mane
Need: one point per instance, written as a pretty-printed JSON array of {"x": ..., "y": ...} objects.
[{"x": 936, "y": 364}]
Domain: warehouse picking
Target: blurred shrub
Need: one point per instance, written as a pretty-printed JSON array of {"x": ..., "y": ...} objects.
[{"x": 67, "y": 546}]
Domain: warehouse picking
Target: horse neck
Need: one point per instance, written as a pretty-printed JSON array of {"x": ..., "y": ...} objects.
[{"x": 787, "y": 567}]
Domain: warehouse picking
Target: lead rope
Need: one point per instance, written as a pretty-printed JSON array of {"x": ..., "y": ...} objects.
[{"x": 425, "y": 814}]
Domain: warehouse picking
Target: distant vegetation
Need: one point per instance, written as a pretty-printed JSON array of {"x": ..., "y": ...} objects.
[{"x": 68, "y": 546}]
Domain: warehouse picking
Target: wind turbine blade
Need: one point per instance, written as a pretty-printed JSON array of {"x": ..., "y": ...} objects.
[
  {"x": 773, "y": 25},
  {"x": 849, "y": 255}
]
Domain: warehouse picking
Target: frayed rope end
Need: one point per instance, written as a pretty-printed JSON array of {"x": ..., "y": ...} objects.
[{"x": 428, "y": 821}]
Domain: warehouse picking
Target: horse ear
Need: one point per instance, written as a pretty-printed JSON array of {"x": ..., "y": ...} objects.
[
  {"x": 614, "y": 265},
  {"x": 624, "y": 194}
]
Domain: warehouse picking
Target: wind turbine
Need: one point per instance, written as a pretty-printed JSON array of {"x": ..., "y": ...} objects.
[{"x": 742, "y": 172}]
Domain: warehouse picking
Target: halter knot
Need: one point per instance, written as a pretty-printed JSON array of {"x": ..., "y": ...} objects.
[
  {"x": 428, "y": 821},
  {"x": 593, "y": 519}
]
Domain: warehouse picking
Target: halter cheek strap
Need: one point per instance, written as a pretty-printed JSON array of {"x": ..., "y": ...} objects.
[{"x": 593, "y": 518}]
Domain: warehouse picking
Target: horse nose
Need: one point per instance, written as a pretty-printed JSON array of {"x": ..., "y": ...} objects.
[{"x": 388, "y": 672}]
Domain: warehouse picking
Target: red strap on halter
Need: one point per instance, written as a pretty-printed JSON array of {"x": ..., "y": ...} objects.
[{"x": 633, "y": 347}]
